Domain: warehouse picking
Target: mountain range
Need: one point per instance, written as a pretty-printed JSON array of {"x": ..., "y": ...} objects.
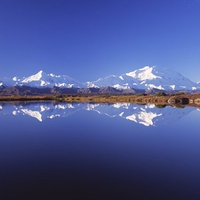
[{"x": 146, "y": 79}]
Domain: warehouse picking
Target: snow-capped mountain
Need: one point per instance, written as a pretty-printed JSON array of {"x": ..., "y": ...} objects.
[
  {"x": 1, "y": 83},
  {"x": 147, "y": 115},
  {"x": 147, "y": 78},
  {"x": 42, "y": 79}
]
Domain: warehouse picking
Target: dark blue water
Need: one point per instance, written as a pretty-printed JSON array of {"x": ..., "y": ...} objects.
[{"x": 80, "y": 151}]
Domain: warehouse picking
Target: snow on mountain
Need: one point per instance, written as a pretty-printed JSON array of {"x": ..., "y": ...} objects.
[
  {"x": 147, "y": 78},
  {"x": 107, "y": 81},
  {"x": 41, "y": 79},
  {"x": 143, "y": 74},
  {"x": 198, "y": 84}
]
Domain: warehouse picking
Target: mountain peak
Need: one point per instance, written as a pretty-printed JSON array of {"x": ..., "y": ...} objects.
[
  {"x": 40, "y": 72},
  {"x": 41, "y": 79},
  {"x": 145, "y": 73},
  {"x": 146, "y": 68},
  {"x": 148, "y": 78},
  {"x": 35, "y": 77}
]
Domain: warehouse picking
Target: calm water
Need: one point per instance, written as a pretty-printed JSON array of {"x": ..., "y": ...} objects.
[{"x": 94, "y": 151}]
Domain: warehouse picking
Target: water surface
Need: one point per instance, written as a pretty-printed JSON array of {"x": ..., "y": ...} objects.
[{"x": 99, "y": 151}]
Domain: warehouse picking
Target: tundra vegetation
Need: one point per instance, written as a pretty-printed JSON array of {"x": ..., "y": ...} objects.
[{"x": 160, "y": 99}]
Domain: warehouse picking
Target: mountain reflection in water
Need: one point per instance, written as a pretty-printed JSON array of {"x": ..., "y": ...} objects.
[{"x": 147, "y": 115}]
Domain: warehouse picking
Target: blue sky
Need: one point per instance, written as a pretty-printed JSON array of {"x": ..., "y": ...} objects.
[{"x": 88, "y": 39}]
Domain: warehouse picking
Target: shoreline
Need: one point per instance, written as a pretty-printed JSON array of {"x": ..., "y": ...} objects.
[{"x": 161, "y": 99}]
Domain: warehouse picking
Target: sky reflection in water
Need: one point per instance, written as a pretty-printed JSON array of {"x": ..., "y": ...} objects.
[{"x": 95, "y": 151}]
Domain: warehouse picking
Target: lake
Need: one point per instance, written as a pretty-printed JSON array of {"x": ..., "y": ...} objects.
[{"x": 99, "y": 151}]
